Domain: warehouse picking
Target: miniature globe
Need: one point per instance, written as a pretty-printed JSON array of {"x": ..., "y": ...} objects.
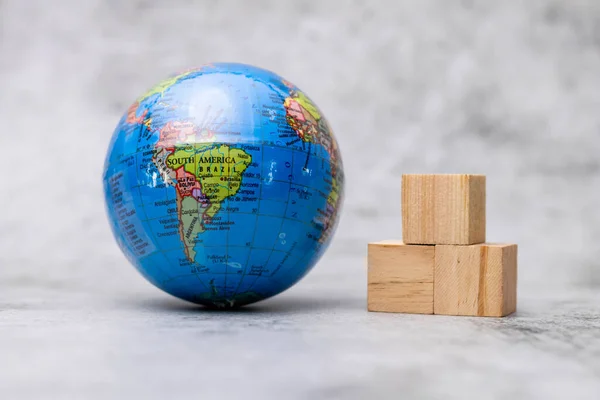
[{"x": 223, "y": 185}]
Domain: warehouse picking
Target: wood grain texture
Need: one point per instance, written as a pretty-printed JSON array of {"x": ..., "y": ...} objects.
[
  {"x": 475, "y": 280},
  {"x": 400, "y": 278},
  {"x": 443, "y": 209}
]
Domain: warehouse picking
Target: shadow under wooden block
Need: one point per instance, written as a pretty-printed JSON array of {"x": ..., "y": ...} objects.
[
  {"x": 400, "y": 278},
  {"x": 477, "y": 280},
  {"x": 443, "y": 209}
]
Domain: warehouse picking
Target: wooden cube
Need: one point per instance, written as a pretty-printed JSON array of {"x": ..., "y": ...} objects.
[
  {"x": 477, "y": 280},
  {"x": 443, "y": 209},
  {"x": 400, "y": 278}
]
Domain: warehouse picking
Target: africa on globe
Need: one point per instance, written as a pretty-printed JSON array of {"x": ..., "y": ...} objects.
[{"x": 223, "y": 184}]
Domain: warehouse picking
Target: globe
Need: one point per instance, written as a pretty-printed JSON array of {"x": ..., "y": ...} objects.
[{"x": 223, "y": 184}]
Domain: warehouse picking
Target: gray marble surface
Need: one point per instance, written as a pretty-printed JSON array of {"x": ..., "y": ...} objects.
[
  {"x": 509, "y": 89},
  {"x": 311, "y": 343}
]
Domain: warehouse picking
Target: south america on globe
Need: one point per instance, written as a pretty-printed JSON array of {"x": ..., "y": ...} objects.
[{"x": 223, "y": 184}]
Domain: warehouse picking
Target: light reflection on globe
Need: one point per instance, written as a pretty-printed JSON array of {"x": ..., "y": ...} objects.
[{"x": 223, "y": 185}]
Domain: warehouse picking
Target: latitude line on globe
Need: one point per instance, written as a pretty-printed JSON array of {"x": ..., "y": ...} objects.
[
  {"x": 249, "y": 213},
  {"x": 212, "y": 273},
  {"x": 262, "y": 214},
  {"x": 235, "y": 141},
  {"x": 173, "y": 249}
]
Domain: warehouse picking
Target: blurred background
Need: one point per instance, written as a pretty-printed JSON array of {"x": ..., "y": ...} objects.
[{"x": 508, "y": 89}]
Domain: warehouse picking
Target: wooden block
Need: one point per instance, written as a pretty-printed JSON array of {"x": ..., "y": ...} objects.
[
  {"x": 443, "y": 209},
  {"x": 400, "y": 278},
  {"x": 477, "y": 280}
]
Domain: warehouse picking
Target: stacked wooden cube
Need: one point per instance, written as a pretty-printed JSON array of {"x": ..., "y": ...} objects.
[{"x": 443, "y": 265}]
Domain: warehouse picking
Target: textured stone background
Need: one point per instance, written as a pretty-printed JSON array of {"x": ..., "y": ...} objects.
[{"x": 509, "y": 89}]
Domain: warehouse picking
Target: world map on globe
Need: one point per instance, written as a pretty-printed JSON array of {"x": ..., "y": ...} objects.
[{"x": 223, "y": 184}]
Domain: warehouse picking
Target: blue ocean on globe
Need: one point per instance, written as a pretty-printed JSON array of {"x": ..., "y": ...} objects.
[{"x": 223, "y": 184}]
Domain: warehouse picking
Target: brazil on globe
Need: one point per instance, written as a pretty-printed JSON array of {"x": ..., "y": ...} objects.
[{"x": 223, "y": 184}]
